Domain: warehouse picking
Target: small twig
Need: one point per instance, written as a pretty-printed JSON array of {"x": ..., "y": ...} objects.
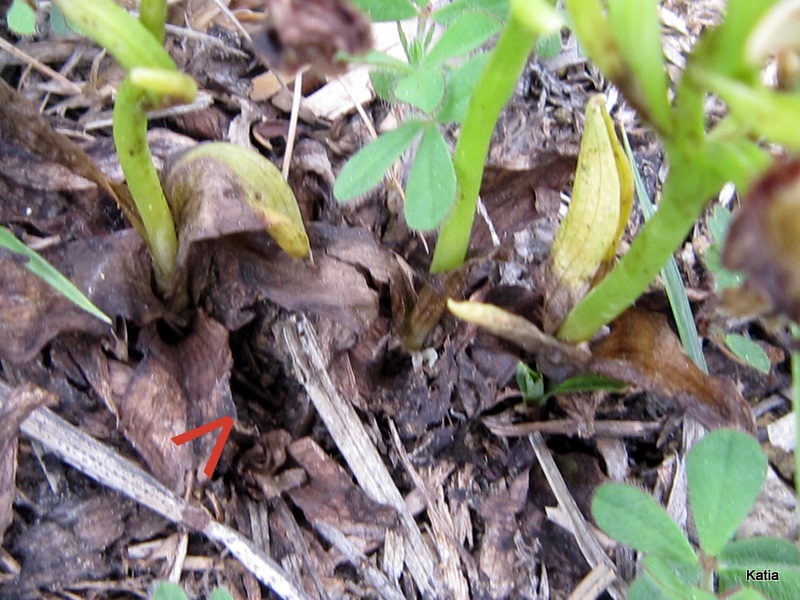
[
  {"x": 108, "y": 468},
  {"x": 290, "y": 137},
  {"x": 587, "y": 542},
  {"x": 42, "y": 68}
]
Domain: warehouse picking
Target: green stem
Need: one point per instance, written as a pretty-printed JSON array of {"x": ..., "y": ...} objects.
[
  {"x": 130, "y": 138},
  {"x": 491, "y": 94},
  {"x": 153, "y": 15},
  {"x": 528, "y": 19}
]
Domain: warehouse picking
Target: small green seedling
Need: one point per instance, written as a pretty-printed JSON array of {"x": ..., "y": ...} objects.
[
  {"x": 21, "y": 18},
  {"x": 725, "y": 472},
  {"x": 531, "y": 385},
  {"x": 442, "y": 84},
  {"x": 172, "y": 591}
]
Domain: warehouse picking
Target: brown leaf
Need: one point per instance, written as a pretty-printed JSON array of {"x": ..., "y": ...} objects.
[
  {"x": 332, "y": 497},
  {"x": 15, "y": 405},
  {"x": 301, "y": 32},
  {"x": 153, "y": 411},
  {"x": 201, "y": 363},
  {"x": 21, "y": 121},
  {"x": 643, "y": 350},
  {"x": 345, "y": 283},
  {"x": 113, "y": 271},
  {"x": 762, "y": 241},
  {"x": 497, "y": 562}
]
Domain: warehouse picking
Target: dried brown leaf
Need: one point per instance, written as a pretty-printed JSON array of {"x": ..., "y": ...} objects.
[
  {"x": 15, "y": 405},
  {"x": 153, "y": 411},
  {"x": 301, "y": 32},
  {"x": 331, "y": 497},
  {"x": 762, "y": 241},
  {"x": 113, "y": 271}
]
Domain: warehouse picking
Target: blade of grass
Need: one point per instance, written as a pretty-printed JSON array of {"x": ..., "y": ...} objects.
[
  {"x": 50, "y": 275},
  {"x": 676, "y": 293}
]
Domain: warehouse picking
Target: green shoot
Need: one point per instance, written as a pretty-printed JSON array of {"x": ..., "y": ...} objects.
[
  {"x": 153, "y": 81},
  {"x": 526, "y": 22},
  {"x": 50, "y": 275}
]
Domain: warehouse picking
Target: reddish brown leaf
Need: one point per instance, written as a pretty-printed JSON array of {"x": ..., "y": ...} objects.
[
  {"x": 643, "y": 350},
  {"x": 15, "y": 405},
  {"x": 332, "y": 497},
  {"x": 201, "y": 363},
  {"x": 301, "y": 32},
  {"x": 762, "y": 241},
  {"x": 152, "y": 411}
]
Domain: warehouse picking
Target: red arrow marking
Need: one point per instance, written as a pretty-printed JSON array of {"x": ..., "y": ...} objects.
[{"x": 226, "y": 423}]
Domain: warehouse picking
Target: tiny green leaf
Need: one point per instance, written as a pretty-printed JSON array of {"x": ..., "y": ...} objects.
[
  {"x": 423, "y": 89},
  {"x": 384, "y": 82},
  {"x": 586, "y": 383},
  {"x": 169, "y": 591},
  {"x": 462, "y": 37},
  {"x": 21, "y": 18},
  {"x": 459, "y": 87},
  {"x": 387, "y": 10},
  {"x": 58, "y": 23},
  {"x": 772, "y": 563},
  {"x": 431, "y": 186},
  {"x": 530, "y": 383},
  {"x": 367, "y": 167},
  {"x": 725, "y": 472},
  {"x": 719, "y": 223},
  {"x": 675, "y": 581},
  {"x": 634, "y": 518},
  {"x": 644, "y": 588},
  {"x": 748, "y": 351},
  {"x": 549, "y": 46},
  {"x": 747, "y": 594},
  {"x": 50, "y": 275},
  {"x": 764, "y": 550}
]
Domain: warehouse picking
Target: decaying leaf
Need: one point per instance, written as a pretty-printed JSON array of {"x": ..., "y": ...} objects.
[
  {"x": 301, "y": 32},
  {"x": 218, "y": 189},
  {"x": 201, "y": 363},
  {"x": 15, "y": 405},
  {"x": 626, "y": 354},
  {"x": 21, "y": 121},
  {"x": 331, "y": 497},
  {"x": 153, "y": 410},
  {"x": 602, "y": 196},
  {"x": 113, "y": 271},
  {"x": 762, "y": 241}
]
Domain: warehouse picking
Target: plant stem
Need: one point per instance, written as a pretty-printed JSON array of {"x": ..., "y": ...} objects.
[
  {"x": 153, "y": 15},
  {"x": 130, "y": 138},
  {"x": 494, "y": 89}
]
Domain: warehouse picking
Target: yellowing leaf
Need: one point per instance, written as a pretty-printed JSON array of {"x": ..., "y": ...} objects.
[
  {"x": 217, "y": 189},
  {"x": 602, "y": 196}
]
